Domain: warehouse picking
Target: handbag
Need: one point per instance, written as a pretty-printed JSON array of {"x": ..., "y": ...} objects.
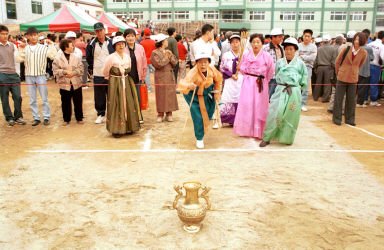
[{"x": 143, "y": 96}]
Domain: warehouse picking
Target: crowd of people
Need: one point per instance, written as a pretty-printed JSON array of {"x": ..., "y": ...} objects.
[{"x": 259, "y": 84}]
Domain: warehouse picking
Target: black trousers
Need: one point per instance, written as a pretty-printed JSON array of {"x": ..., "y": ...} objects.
[
  {"x": 362, "y": 89},
  {"x": 17, "y": 100},
  {"x": 66, "y": 103},
  {"x": 100, "y": 91},
  {"x": 323, "y": 78},
  {"x": 350, "y": 102}
]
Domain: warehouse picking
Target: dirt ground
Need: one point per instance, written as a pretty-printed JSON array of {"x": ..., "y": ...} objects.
[{"x": 77, "y": 187}]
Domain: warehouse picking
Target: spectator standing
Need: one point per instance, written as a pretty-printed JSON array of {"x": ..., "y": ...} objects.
[
  {"x": 149, "y": 46},
  {"x": 81, "y": 45},
  {"x": 172, "y": 46},
  {"x": 183, "y": 56},
  {"x": 364, "y": 76},
  {"x": 378, "y": 52}
]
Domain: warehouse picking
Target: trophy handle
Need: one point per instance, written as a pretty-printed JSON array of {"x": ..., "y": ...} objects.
[
  {"x": 178, "y": 196},
  {"x": 205, "y": 197}
]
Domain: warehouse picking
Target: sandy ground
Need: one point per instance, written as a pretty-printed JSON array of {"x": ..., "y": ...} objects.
[{"x": 70, "y": 187}]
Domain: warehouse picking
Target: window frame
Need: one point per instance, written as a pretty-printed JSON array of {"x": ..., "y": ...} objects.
[
  {"x": 9, "y": 3},
  {"x": 37, "y": 6},
  {"x": 163, "y": 13},
  {"x": 253, "y": 14},
  {"x": 306, "y": 13},
  {"x": 182, "y": 12},
  {"x": 284, "y": 14},
  {"x": 333, "y": 13},
  {"x": 215, "y": 14}
]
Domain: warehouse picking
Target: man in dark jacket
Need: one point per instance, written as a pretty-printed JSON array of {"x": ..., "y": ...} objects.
[
  {"x": 96, "y": 52},
  {"x": 172, "y": 46}
]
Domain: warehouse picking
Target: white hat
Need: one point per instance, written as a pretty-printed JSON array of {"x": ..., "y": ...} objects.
[
  {"x": 158, "y": 38},
  {"x": 41, "y": 38},
  {"x": 114, "y": 34},
  {"x": 234, "y": 36},
  {"x": 351, "y": 34},
  {"x": 291, "y": 41},
  {"x": 340, "y": 35},
  {"x": 117, "y": 39},
  {"x": 70, "y": 34},
  {"x": 201, "y": 55},
  {"x": 277, "y": 32},
  {"x": 326, "y": 38},
  {"x": 318, "y": 40}
]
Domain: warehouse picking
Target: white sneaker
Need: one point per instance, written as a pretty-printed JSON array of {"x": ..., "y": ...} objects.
[
  {"x": 100, "y": 119},
  {"x": 159, "y": 119},
  {"x": 141, "y": 122},
  {"x": 199, "y": 144},
  {"x": 375, "y": 104},
  {"x": 366, "y": 102},
  {"x": 215, "y": 125},
  {"x": 303, "y": 108},
  {"x": 361, "y": 106},
  {"x": 169, "y": 118}
]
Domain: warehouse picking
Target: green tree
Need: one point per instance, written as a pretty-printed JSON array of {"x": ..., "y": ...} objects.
[{"x": 101, "y": 1}]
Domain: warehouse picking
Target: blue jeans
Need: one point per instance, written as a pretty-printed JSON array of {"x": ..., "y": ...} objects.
[
  {"x": 272, "y": 87},
  {"x": 38, "y": 83},
  {"x": 150, "y": 69},
  {"x": 304, "y": 93},
  {"x": 374, "y": 81}
]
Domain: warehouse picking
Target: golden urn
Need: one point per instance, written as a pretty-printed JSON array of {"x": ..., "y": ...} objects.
[{"x": 192, "y": 207}]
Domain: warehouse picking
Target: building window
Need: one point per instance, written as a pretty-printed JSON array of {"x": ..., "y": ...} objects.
[
  {"x": 119, "y": 14},
  {"x": 359, "y": 1},
  {"x": 37, "y": 8},
  {"x": 181, "y": 0},
  {"x": 380, "y": 7},
  {"x": 306, "y": 16},
  {"x": 288, "y": 16},
  {"x": 135, "y": 1},
  {"x": 159, "y": 1},
  {"x": 164, "y": 15},
  {"x": 380, "y": 22},
  {"x": 211, "y": 15},
  {"x": 339, "y": 1},
  {"x": 182, "y": 15},
  {"x": 338, "y": 15},
  {"x": 11, "y": 9},
  {"x": 257, "y": 15},
  {"x": 358, "y": 16},
  {"x": 257, "y": 1},
  {"x": 136, "y": 14},
  {"x": 56, "y": 6},
  {"x": 288, "y": 0},
  {"x": 308, "y": 0},
  {"x": 119, "y": 1},
  {"x": 232, "y": 15},
  {"x": 87, "y": 11}
]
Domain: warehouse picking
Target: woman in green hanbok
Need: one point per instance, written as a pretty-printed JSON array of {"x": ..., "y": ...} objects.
[
  {"x": 285, "y": 104},
  {"x": 123, "y": 109}
]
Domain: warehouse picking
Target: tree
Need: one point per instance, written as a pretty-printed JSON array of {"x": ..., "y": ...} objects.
[{"x": 101, "y": 1}]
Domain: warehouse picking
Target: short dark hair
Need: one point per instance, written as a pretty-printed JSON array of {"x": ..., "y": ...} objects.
[
  {"x": 178, "y": 38},
  {"x": 3, "y": 28},
  {"x": 362, "y": 38},
  {"x": 309, "y": 31},
  {"x": 171, "y": 30},
  {"x": 53, "y": 37},
  {"x": 119, "y": 33},
  {"x": 127, "y": 32},
  {"x": 79, "y": 34},
  {"x": 366, "y": 31},
  {"x": 159, "y": 44},
  {"x": 64, "y": 44},
  {"x": 206, "y": 27},
  {"x": 258, "y": 35},
  {"x": 267, "y": 36},
  {"x": 242, "y": 30},
  {"x": 380, "y": 35},
  {"x": 61, "y": 37}
]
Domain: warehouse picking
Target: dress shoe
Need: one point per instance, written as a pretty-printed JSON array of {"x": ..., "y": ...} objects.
[
  {"x": 46, "y": 122},
  {"x": 264, "y": 144},
  {"x": 36, "y": 122}
]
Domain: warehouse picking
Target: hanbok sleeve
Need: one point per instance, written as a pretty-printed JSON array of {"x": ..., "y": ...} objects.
[
  {"x": 244, "y": 64},
  {"x": 183, "y": 85},
  {"x": 144, "y": 63},
  {"x": 158, "y": 59},
  {"x": 270, "y": 67},
  {"x": 227, "y": 73},
  {"x": 107, "y": 66}
]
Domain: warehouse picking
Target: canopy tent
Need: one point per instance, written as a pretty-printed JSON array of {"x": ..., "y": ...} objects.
[
  {"x": 116, "y": 22},
  {"x": 67, "y": 18}
]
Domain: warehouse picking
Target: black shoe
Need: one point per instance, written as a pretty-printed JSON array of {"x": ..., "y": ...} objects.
[
  {"x": 35, "y": 122},
  {"x": 20, "y": 121},
  {"x": 337, "y": 123},
  {"x": 46, "y": 122},
  {"x": 263, "y": 144},
  {"x": 117, "y": 135},
  {"x": 11, "y": 122}
]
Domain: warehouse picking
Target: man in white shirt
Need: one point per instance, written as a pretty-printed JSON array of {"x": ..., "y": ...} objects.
[
  {"x": 204, "y": 44},
  {"x": 378, "y": 51},
  {"x": 225, "y": 46}
]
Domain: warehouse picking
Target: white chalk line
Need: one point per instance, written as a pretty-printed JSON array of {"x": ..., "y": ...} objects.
[
  {"x": 272, "y": 150},
  {"x": 367, "y": 132}
]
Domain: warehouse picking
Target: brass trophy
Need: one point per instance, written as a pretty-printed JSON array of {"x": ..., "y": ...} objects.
[{"x": 191, "y": 208}]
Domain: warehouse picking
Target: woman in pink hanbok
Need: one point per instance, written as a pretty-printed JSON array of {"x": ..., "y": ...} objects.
[{"x": 257, "y": 68}]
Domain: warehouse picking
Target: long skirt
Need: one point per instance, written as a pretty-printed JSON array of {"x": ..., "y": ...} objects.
[
  {"x": 122, "y": 119},
  {"x": 252, "y": 110},
  {"x": 197, "y": 118},
  {"x": 284, "y": 115}
]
